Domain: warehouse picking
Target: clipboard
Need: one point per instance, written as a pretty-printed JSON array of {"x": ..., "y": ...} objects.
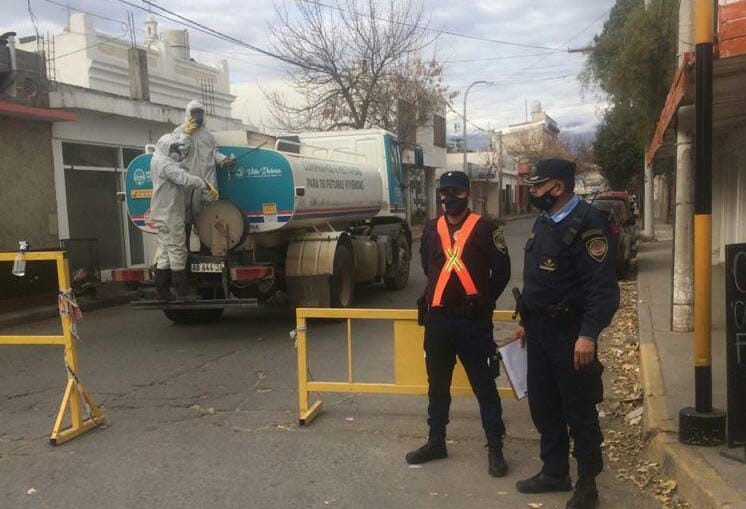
[{"x": 515, "y": 362}]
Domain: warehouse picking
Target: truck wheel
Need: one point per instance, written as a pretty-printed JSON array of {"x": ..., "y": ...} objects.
[
  {"x": 401, "y": 271},
  {"x": 343, "y": 286},
  {"x": 193, "y": 316}
]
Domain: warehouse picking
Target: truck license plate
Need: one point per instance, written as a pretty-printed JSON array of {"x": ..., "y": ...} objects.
[{"x": 215, "y": 267}]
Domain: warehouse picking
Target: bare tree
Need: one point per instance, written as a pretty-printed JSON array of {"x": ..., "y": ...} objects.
[
  {"x": 533, "y": 146},
  {"x": 353, "y": 64}
]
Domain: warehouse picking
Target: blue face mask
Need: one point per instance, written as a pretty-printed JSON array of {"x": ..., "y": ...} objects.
[
  {"x": 198, "y": 117},
  {"x": 454, "y": 205}
]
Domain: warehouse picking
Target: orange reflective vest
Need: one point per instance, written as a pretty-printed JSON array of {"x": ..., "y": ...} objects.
[{"x": 453, "y": 262}]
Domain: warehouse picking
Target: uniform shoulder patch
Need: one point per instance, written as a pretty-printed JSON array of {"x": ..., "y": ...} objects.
[
  {"x": 498, "y": 238},
  {"x": 593, "y": 232},
  {"x": 597, "y": 248}
]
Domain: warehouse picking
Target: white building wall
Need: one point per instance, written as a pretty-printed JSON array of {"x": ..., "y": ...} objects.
[
  {"x": 434, "y": 157},
  {"x": 729, "y": 193},
  {"x": 89, "y": 59}
]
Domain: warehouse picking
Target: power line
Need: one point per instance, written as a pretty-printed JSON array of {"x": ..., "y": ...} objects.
[
  {"x": 436, "y": 30},
  {"x": 568, "y": 41},
  {"x": 106, "y": 39},
  {"x": 92, "y": 14},
  {"x": 505, "y": 57},
  {"x": 209, "y": 31}
]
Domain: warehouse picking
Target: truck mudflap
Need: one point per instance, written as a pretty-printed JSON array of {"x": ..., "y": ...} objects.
[{"x": 177, "y": 305}]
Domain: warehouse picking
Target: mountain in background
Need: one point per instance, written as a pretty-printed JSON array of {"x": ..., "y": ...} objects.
[{"x": 480, "y": 141}]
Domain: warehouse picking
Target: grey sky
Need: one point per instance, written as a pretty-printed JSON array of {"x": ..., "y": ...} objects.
[{"x": 522, "y": 74}]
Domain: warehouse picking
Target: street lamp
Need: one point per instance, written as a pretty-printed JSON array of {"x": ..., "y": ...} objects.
[{"x": 466, "y": 94}]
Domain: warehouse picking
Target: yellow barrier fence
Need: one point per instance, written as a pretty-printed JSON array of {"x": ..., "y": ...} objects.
[
  {"x": 75, "y": 397},
  {"x": 410, "y": 375}
]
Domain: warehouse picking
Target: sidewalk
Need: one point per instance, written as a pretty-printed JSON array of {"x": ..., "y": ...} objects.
[
  {"x": 26, "y": 310},
  {"x": 705, "y": 478}
]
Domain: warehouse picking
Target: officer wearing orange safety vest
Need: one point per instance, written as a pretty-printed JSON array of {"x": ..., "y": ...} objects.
[{"x": 466, "y": 262}]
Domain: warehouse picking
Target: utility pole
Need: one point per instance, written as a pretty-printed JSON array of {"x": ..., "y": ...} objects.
[
  {"x": 500, "y": 200},
  {"x": 647, "y": 213},
  {"x": 682, "y": 295},
  {"x": 703, "y": 425},
  {"x": 466, "y": 94}
]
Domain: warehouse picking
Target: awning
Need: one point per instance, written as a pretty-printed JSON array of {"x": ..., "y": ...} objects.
[
  {"x": 678, "y": 95},
  {"x": 729, "y": 75},
  {"x": 38, "y": 114}
]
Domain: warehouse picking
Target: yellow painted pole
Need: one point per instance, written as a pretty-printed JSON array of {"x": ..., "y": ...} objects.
[
  {"x": 300, "y": 337},
  {"x": 349, "y": 350},
  {"x": 701, "y": 424}
]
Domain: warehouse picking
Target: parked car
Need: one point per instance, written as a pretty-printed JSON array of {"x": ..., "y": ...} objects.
[
  {"x": 629, "y": 214},
  {"x": 622, "y": 237}
]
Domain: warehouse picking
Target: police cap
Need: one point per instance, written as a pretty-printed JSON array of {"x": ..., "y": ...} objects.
[
  {"x": 548, "y": 169},
  {"x": 454, "y": 179}
]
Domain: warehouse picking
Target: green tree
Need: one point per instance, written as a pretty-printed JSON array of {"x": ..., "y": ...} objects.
[
  {"x": 633, "y": 61},
  {"x": 618, "y": 154}
]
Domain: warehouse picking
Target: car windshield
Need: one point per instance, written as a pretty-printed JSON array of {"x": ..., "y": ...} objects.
[
  {"x": 610, "y": 207},
  {"x": 619, "y": 204}
]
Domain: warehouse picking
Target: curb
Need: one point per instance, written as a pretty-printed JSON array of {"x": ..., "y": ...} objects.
[
  {"x": 698, "y": 482},
  {"x": 51, "y": 311}
]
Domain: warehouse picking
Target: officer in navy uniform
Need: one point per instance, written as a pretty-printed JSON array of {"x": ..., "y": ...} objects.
[
  {"x": 570, "y": 294},
  {"x": 466, "y": 262}
]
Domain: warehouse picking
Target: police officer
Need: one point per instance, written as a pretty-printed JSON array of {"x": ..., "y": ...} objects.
[
  {"x": 467, "y": 267},
  {"x": 570, "y": 294}
]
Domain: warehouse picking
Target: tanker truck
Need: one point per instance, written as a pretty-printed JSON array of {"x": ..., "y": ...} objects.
[{"x": 302, "y": 220}]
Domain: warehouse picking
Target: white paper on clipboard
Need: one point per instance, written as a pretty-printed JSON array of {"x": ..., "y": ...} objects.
[{"x": 515, "y": 361}]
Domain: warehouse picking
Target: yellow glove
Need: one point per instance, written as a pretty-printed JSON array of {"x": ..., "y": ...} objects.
[
  {"x": 191, "y": 126},
  {"x": 228, "y": 161},
  {"x": 212, "y": 191}
]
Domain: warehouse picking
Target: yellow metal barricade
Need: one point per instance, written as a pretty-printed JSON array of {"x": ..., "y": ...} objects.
[
  {"x": 410, "y": 376},
  {"x": 75, "y": 399}
]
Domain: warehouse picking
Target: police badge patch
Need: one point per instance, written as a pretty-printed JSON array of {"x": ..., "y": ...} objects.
[
  {"x": 597, "y": 248},
  {"x": 499, "y": 240}
]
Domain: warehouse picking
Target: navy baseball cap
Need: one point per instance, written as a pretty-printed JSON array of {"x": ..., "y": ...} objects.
[
  {"x": 548, "y": 169},
  {"x": 454, "y": 179}
]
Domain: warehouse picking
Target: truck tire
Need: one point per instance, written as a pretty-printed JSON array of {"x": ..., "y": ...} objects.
[
  {"x": 343, "y": 283},
  {"x": 401, "y": 270},
  {"x": 193, "y": 316}
]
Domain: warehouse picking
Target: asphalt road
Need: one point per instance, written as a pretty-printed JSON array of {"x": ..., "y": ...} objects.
[{"x": 206, "y": 416}]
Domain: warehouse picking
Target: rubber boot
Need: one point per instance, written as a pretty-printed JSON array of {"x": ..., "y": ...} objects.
[
  {"x": 543, "y": 483},
  {"x": 434, "y": 449},
  {"x": 585, "y": 496},
  {"x": 498, "y": 467},
  {"x": 162, "y": 284},
  {"x": 184, "y": 290}
]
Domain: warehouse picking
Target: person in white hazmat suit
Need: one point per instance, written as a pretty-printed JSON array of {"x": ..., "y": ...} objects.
[
  {"x": 171, "y": 182},
  {"x": 201, "y": 159}
]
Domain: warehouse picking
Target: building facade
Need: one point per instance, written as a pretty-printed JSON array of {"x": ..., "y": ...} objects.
[{"x": 124, "y": 97}]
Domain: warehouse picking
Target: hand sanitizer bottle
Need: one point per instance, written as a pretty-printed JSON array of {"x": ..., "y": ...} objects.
[{"x": 19, "y": 264}]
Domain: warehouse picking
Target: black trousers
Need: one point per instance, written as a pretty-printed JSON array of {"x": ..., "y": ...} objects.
[
  {"x": 471, "y": 341},
  {"x": 563, "y": 400}
]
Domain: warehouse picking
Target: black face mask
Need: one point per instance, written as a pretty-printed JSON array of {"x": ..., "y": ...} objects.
[
  {"x": 454, "y": 205},
  {"x": 543, "y": 202}
]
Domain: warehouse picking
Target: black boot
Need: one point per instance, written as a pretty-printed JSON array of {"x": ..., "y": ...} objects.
[
  {"x": 184, "y": 290},
  {"x": 542, "y": 483},
  {"x": 585, "y": 496},
  {"x": 162, "y": 284},
  {"x": 498, "y": 467},
  {"x": 434, "y": 449}
]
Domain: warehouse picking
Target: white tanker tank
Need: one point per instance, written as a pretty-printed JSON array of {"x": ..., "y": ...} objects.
[{"x": 277, "y": 190}]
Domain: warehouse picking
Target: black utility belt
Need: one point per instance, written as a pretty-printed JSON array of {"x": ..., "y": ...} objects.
[
  {"x": 558, "y": 312},
  {"x": 469, "y": 311}
]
